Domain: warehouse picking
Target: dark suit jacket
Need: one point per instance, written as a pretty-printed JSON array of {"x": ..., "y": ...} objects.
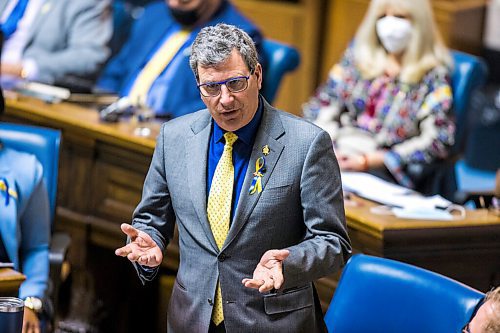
[
  {"x": 300, "y": 209},
  {"x": 148, "y": 31}
]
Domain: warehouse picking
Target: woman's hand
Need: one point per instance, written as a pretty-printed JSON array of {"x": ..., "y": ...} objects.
[
  {"x": 31, "y": 324},
  {"x": 361, "y": 162}
]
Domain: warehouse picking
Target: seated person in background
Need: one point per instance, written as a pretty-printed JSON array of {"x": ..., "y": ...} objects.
[
  {"x": 487, "y": 317},
  {"x": 386, "y": 105},
  {"x": 152, "y": 69},
  {"x": 55, "y": 42},
  {"x": 25, "y": 229}
]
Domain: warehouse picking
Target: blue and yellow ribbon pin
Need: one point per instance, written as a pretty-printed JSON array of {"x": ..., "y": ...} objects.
[
  {"x": 260, "y": 168},
  {"x": 9, "y": 192}
]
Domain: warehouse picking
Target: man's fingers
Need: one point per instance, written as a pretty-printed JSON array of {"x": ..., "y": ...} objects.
[
  {"x": 282, "y": 254},
  {"x": 278, "y": 281},
  {"x": 274, "y": 255},
  {"x": 268, "y": 285},
  {"x": 133, "y": 256},
  {"x": 253, "y": 283},
  {"x": 123, "y": 251},
  {"x": 145, "y": 258},
  {"x": 129, "y": 230}
]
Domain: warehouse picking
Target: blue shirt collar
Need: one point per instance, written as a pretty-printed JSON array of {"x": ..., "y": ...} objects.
[{"x": 246, "y": 134}]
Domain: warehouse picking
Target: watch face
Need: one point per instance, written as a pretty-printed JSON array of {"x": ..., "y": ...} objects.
[{"x": 33, "y": 303}]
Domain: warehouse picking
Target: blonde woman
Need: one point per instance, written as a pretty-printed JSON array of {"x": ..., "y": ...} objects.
[{"x": 386, "y": 105}]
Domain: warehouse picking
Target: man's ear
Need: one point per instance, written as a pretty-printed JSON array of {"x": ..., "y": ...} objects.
[{"x": 258, "y": 75}]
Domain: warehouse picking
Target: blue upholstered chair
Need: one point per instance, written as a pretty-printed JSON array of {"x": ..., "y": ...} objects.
[
  {"x": 44, "y": 144},
  {"x": 470, "y": 73},
  {"x": 280, "y": 59},
  {"x": 41, "y": 142},
  {"x": 124, "y": 14},
  {"x": 379, "y": 295}
]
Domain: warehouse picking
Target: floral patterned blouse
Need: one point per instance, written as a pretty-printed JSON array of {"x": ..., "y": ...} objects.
[{"x": 412, "y": 121}]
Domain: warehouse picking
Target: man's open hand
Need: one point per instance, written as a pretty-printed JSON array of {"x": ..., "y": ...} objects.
[
  {"x": 269, "y": 271},
  {"x": 141, "y": 249}
]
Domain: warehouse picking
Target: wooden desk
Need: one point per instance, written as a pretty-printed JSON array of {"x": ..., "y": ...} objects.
[
  {"x": 102, "y": 170},
  {"x": 467, "y": 250},
  {"x": 10, "y": 280}
]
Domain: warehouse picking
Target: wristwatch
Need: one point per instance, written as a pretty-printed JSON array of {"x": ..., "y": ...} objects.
[{"x": 33, "y": 303}]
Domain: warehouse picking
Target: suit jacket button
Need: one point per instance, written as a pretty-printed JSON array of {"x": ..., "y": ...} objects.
[
  {"x": 210, "y": 301},
  {"x": 222, "y": 257}
]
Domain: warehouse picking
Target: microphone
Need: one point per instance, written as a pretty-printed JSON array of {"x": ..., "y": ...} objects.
[{"x": 113, "y": 111}]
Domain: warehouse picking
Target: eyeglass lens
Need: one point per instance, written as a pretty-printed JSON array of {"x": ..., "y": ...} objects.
[{"x": 233, "y": 85}]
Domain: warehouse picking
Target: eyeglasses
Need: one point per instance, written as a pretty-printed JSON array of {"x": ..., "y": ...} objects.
[
  {"x": 234, "y": 85},
  {"x": 466, "y": 329}
]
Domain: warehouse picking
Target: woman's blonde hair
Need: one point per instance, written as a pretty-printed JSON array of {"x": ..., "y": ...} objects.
[{"x": 425, "y": 50}]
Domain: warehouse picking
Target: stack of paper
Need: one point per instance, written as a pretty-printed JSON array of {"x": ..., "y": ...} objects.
[{"x": 379, "y": 190}]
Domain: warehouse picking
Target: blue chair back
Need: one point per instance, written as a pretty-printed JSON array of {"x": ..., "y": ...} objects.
[
  {"x": 44, "y": 144},
  {"x": 279, "y": 59},
  {"x": 469, "y": 72},
  {"x": 379, "y": 295},
  {"x": 125, "y": 12}
]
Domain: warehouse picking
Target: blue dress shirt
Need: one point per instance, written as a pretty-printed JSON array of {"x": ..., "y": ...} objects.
[{"x": 242, "y": 149}]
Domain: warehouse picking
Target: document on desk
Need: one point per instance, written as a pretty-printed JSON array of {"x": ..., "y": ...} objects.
[
  {"x": 376, "y": 189},
  {"x": 6, "y": 265}
]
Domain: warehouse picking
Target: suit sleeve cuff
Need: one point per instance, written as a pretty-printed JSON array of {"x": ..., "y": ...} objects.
[{"x": 30, "y": 69}]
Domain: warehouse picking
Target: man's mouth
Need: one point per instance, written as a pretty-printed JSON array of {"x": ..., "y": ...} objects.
[{"x": 228, "y": 113}]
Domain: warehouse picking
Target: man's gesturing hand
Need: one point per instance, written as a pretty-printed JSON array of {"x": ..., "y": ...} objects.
[
  {"x": 141, "y": 248},
  {"x": 269, "y": 271}
]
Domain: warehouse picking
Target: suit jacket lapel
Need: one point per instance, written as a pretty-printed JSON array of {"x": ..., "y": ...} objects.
[
  {"x": 269, "y": 131},
  {"x": 196, "y": 162}
]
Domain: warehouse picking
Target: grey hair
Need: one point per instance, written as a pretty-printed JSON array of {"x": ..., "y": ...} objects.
[{"x": 214, "y": 45}]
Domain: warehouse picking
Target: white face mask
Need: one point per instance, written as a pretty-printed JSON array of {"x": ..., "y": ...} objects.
[{"x": 394, "y": 33}]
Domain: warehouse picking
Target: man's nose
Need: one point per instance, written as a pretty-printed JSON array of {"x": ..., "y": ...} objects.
[{"x": 226, "y": 96}]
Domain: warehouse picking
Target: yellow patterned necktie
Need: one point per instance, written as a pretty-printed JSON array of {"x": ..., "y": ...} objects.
[
  {"x": 219, "y": 208},
  {"x": 155, "y": 67}
]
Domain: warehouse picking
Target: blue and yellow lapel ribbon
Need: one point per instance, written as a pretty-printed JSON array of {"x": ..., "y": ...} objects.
[
  {"x": 9, "y": 192},
  {"x": 260, "y": 168}
]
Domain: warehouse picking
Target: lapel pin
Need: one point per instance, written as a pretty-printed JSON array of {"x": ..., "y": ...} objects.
[
  {"x": 266, "y": 150},
  {"x": 260, "y": 168}
]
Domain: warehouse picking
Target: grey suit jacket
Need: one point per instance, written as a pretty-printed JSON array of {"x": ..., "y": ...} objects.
[
  {"x": 300, "y": 209},
  {"x": 68, "y": 39}
]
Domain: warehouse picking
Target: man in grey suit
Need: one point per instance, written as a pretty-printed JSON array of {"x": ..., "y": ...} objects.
[
  {"x": 60, "y": 42},
  {"x": 250, "y": 250}
]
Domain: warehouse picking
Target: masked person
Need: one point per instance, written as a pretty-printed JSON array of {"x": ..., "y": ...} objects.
[
  {"x": 386, "y": 105},
  {"x": 152, "y": 68}
]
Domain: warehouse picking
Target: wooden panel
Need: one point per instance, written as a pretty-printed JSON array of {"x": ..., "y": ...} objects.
[
  {"x": 298, "y": 24},
  {"x": 117, "y": 182},
  {"x": 343, "y": 18}
]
